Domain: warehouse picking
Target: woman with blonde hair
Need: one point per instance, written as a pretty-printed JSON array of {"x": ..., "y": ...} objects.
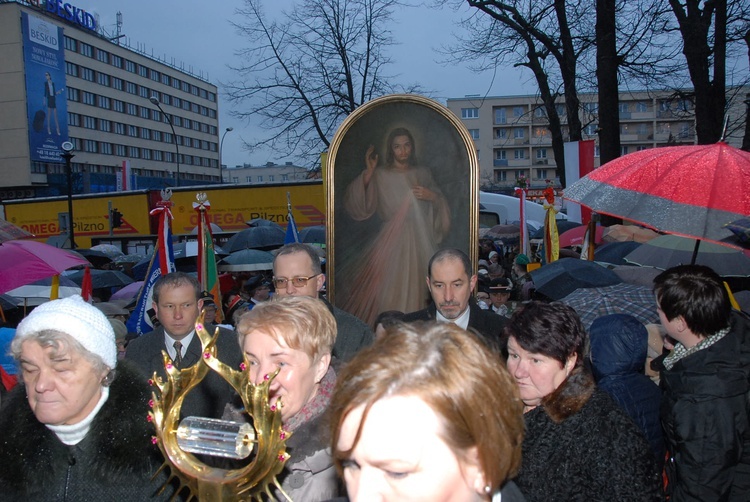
[
  {"x": 295, "y": 335},
  {"x": 427, "y": 413}
]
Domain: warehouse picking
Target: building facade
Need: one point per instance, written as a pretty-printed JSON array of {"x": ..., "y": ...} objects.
[
  {"x": 101, "y": 103},
  {"x": 268, "y": 174},
  {"x": 512, "y": 137}
]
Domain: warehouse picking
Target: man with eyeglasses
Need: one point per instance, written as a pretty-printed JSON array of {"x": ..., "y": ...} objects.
[{"x": 297, "y": 272}]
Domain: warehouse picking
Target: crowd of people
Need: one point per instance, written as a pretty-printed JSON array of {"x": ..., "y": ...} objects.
[{"x": 487, "y": 393}]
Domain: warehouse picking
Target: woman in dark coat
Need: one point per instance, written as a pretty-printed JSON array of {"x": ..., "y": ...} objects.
[
  {"x": 579, "y": 445},
  {"x": 619, "y": 345},
  {"x": 75, "y": 429}
]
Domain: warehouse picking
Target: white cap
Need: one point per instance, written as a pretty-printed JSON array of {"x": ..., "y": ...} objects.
[{"x": 82, "y": 321}]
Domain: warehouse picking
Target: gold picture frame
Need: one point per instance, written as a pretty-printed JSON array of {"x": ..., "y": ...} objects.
[{"x": 382, "y": 228}]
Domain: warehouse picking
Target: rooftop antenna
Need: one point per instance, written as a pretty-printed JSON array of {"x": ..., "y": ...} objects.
[{"x": 118, "y": 29}]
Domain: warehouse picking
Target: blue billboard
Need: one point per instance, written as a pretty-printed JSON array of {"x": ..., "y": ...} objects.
[{"x": 46, "y": 96}]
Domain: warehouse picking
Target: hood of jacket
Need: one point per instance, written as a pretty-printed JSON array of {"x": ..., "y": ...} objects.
[{"x": 619, "y": 345}]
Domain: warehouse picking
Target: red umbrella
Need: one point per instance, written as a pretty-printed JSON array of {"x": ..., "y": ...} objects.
[
  {"x": 574, "y": 236},
  {"x": 9, "y": 231},
  {"x": 23, "y": 262},
  {"x": 686, "y": 190}
]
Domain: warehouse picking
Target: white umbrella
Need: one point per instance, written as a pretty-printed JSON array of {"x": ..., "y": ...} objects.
[{"x": 38, "y": 292}]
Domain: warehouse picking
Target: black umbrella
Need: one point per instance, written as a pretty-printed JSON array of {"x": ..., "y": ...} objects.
[
  {"x": 184, "y": 259},
  {"x": 615, "y": 252},
  {"x": 265, "y": 237},
  {"x": 8, "y": 302},
  {"x": 313, "y": 235},
  {"x": 95, "y": 257},
  {"x": 102, "y": 278},
  {"x": 261, "y": 222},
  {"x": 558, "y": 279},
  {"x": 562, "y": 226}
]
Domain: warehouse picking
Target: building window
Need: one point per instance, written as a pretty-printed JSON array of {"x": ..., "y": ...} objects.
[
  {"x": 176, "y": 83},
  {"x": 144, "y": 92},
  {"x": 90, "y": 146},
  {"x": 132, "y": 109},
  {"x": 158, "y": 155},
  {"x": 186, "y": 105},
  {"x": 131, "y": 88},
  {"x": 596, "y": 151},
  {"x": 284, "y": 177},
  {"x": 271, "y": 177},
  {"x": 520, "y": 174},
  {"x": 154, "y": 75},
  {"x": 187, "y": 123},
  {"x": 623, "y": 150},
  {"x": 102, "y": 56},
  {"x": 115, "y": 61},
  {"x": 260, "y": 179},
  {"x": 87, "y": 74},
  {"x": 89, "y": 122},
  {"x": 187, "y": 141},
  {"x": 541, "y": 153},
  {"x": 541, "y": 174},
  {"x": 501, "y": 155},
  {"x": 133, "y": 131},
  {"x": 73, "y": 94},
  {"x": 71, "y": 69},
  {"x": 474, "y": 133},
  {"x": 146, "y": 153},
  {"x": 156, "y": 135},
  {"x": 134, "y": 152},
  {"x": 590, "y": 129},
  {"x": 623, "y": 107},
  {"x": 145, "y": 112},
  {"x": 102, "y": 79},
  {"x": 591, "y": 107},
  {"x": 185, "y": 87},
  {"x": 120, "y": 128},
  {"x": 74, "y": 119},
  {"x": 105, "y": 102},
  {"x": 117, "y": 83},
  {"x": 120, "y": 150},
  {"x": 518, "y": 111},
  {"x": 540, "y": 112},
  {"x": 501, "y": 134},
  {"x": 165, "y": 79},
  {"x": 71, "y": 44},
  {"x": 105, "y": 125},
  {"x": 129, "y": 66},
  {"x": 519, "y": 154},
  {"x": 118, "y": 106},
  {"x": 145, "y": 133},
  {"x": 641, "y": 107},
  {"x": 142, "y": 71},
  {"x": 469, "y": 113},
  {"x": 501, "y": 175},
  {"x": 89, "y": 98},
  {"x": 500, "y": 117},
  {"x": 519, "y": 132},
  {"x": 87, "y": 50},
  {"x": 560, "y": 108},
  {"x": 176, "y": 121},
  {"x": 105, "y": 148}
]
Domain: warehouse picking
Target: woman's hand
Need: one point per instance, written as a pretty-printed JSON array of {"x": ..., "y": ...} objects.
[
  {"x": 422, "y": 193},
  {"x": 371, "y": 162}
]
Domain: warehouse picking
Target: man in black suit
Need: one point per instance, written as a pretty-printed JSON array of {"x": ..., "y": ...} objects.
[
  {"x": 451, "y": 284},
  {"x": 177, "y": 303}
]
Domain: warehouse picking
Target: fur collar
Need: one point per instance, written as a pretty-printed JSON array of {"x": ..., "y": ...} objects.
[{"x": 570, "y": 396}]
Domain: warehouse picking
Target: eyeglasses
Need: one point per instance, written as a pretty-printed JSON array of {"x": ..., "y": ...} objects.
[{"x": 297, "y": 282}]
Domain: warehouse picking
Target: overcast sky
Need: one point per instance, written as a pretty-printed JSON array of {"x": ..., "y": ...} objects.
[{"x": 198, "y": 35}]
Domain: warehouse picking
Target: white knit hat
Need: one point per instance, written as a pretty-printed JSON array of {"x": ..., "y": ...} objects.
[{"x": 74, "y": 317}]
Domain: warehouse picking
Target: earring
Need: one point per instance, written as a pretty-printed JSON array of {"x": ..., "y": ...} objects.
[{"x": 488, "y": 489}]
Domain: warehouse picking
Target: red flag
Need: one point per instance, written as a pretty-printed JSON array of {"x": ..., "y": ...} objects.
[{"x": 87, "y": 289}]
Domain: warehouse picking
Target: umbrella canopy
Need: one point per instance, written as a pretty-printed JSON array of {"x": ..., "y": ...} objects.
[
  {"x": 560, "y": 278},
  {"x": 504, "y": 232},
  {"x": 8, "y": 302},
  {"x": 740, "y": 228},
  {"x": 38, "y": 292},
  {"x": 23, "y": 262},
  {"x": 246, "y": 260},
  {"x": 562, "y": 226},
  {"x": 687, "y": 190},
  {"x": 262, "y": 222},
  {"x": 641, "y": 276},
  {"x": 108, "y": 249},
  {"x": 127, "y": 292},
  {"x": 101, "y": 278},
  {"x": 96, "y": 258},
  {"x": 591, "y": 303},
  {"x": 264, "y": 237},
  {"x": 315, "y": 234},
  {"x": 615, "y": 252},
  {"x": 574, "y": 236},
  {"x": 624, "y": 233},
  {"x": 129, "y": 258},
  {"x": 214, "y": 229},
  {"x": 9, "y": 231},
  {"x": 671, "y": 250}
]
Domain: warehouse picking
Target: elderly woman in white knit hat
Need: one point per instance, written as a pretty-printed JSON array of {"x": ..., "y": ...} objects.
[{"x": 76, "y": 428}]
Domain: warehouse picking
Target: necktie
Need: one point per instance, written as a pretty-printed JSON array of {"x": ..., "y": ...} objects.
[{"x": 178, "y": 357}]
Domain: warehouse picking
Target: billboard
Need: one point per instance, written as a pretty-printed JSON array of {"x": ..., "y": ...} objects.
[{"x": 46, "y": 97}]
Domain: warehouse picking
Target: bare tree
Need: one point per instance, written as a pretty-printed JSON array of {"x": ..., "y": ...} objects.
[{"x": 302, "y": 74}]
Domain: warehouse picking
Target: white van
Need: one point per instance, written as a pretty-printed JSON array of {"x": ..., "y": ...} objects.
[{"x": 499, "y": 209}]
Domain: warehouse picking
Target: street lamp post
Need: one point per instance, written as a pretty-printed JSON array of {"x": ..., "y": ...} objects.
[
  {"x": 154, "y": 100},
  {"x": 221, "y": 147},
  {"x": 67, "y": 147}
]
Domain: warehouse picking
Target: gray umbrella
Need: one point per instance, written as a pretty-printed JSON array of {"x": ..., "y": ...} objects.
[
  {"x": 265, "y": 237},
  {"x": 101, "y": 278},
  {"x": 623, "y": 298},
  {"x": 246, "y": 260}
]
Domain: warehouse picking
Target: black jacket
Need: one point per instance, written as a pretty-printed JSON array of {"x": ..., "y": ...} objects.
[
  {"x": 705, "y": 414},
  {"x": 485, "y": 322},
  {"x": 579, "y": 445},
  {"x": 115, "y": 461},
  {"x": 210, "y": 397}
]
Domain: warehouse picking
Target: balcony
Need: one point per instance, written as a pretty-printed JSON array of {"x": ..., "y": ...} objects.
[{"x": 500, "y": 162}]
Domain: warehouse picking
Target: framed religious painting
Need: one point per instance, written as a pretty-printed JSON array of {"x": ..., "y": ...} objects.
[{"x": 402, "y": 183}]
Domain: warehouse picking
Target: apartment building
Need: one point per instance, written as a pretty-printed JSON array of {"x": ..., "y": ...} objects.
[
  {"x": 64, "y": 80},
  {"x": 512, "y": 137}
]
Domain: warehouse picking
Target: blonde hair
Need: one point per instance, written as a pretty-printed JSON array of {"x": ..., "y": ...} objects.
[
  {"x": 302, "y": 323},
  {"x": 451, "y": 370}
]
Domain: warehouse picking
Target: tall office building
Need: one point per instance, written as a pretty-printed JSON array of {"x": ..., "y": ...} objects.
[{"x": 63, "y": 80}]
